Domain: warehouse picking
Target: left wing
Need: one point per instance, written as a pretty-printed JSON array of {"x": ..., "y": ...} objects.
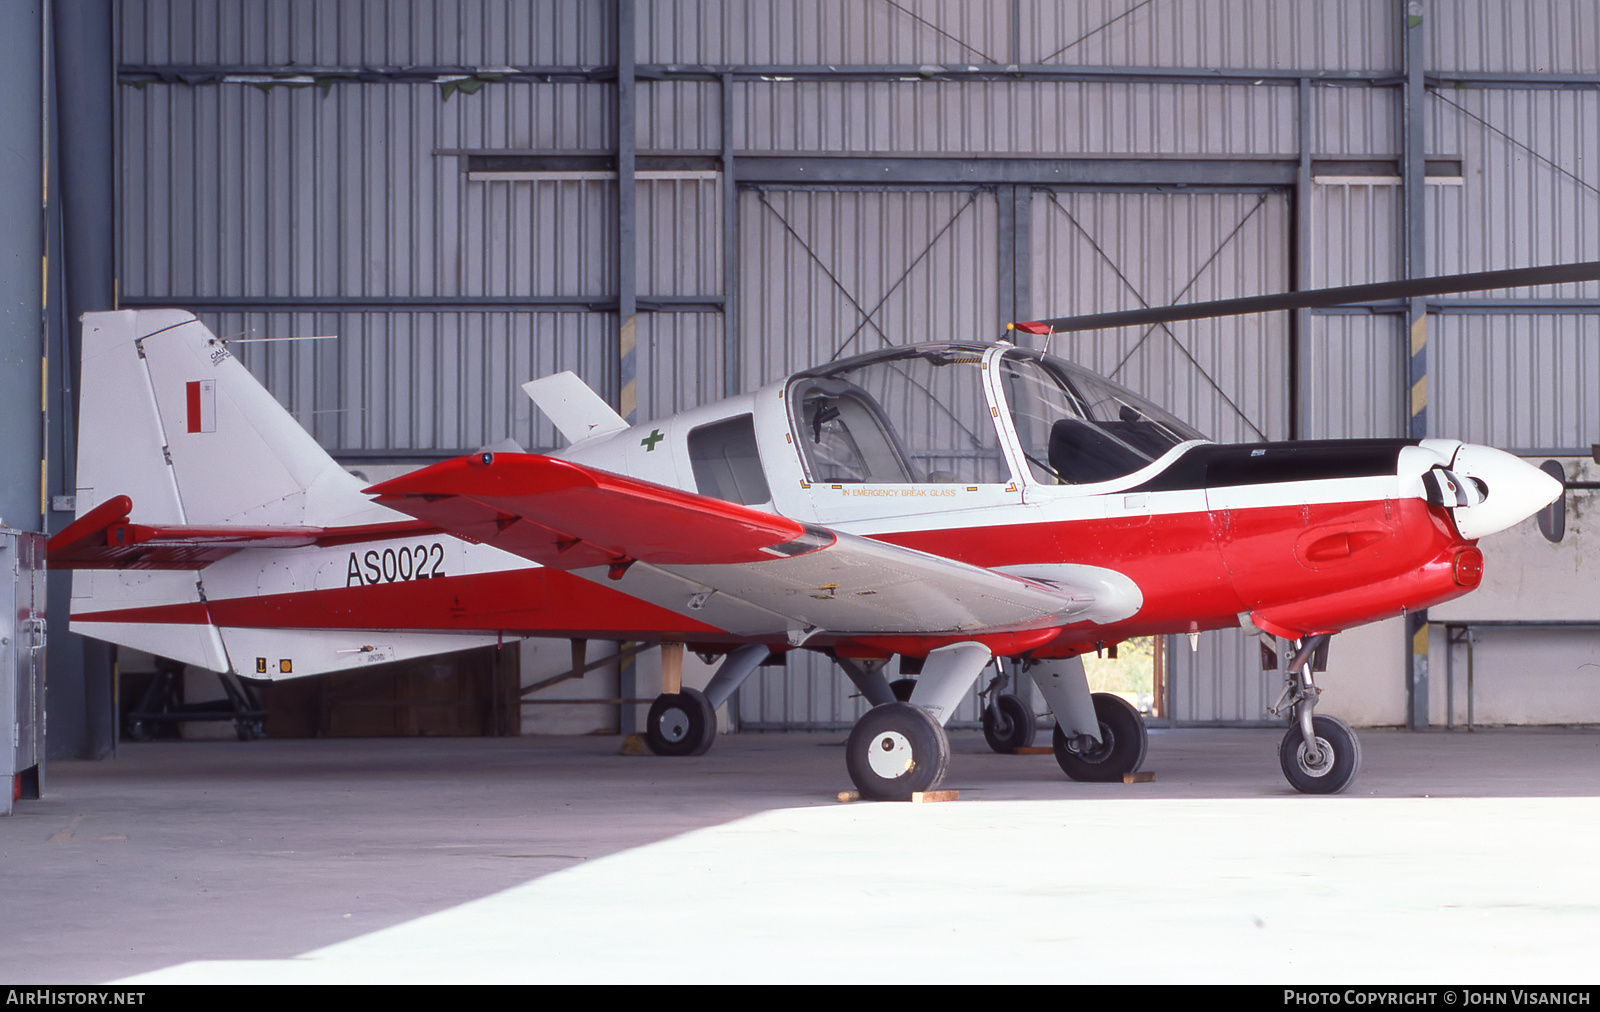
[{"x": 750, "y": 572}]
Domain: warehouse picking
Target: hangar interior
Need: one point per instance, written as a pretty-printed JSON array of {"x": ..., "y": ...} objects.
[{"x": 684, "y": 199}]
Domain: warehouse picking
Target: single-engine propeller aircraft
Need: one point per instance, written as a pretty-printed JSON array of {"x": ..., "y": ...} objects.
[{"x": 952, "y": 503}]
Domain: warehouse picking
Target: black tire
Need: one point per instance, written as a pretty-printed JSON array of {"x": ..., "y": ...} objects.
[
  {"x": 681, "y": 723},
  {"x": 1011, "y": 727},
  {"x": 896, "y": 750},
  {"x": 1327, "y": 774},
  {"x": 902, "y": 688},
  {"x": 1122, "y": 743}
]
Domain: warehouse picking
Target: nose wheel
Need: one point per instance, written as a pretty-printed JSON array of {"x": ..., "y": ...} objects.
[{"x": 1328, "y": 766}]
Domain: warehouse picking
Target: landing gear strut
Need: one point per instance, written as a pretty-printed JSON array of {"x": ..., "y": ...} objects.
[
  {"x": 1007, "y": 720},
  {"x": 1319, "y": 754},
  {"x": 1121, "y": 748}
]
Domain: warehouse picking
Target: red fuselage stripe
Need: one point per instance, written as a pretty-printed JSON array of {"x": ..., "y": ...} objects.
[{"x": 1196, "y": 570}]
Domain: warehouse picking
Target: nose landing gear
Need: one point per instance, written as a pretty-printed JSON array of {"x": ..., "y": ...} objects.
[{"x": 1319, "y": 754}]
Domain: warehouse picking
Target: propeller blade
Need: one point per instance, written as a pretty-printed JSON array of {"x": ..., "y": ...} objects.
[{"x": 1383, "y": 291}]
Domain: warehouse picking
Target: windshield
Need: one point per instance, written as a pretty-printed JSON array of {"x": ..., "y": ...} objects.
[
  {"x": 1077, "y": 428},
  {"x": 908, "y": 416}
]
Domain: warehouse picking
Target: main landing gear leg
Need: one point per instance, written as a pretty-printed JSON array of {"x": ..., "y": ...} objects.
[
  {"x": 684, "y": 721},
  {"x": 899, "y": 748},
  {"x": 1319, "y": 754},
  {"x": 867, "y": 676},
  {"x": 1099, "y": 736}
]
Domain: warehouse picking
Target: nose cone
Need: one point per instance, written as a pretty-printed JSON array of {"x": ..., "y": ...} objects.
[{"x": 1513, "y": 490}]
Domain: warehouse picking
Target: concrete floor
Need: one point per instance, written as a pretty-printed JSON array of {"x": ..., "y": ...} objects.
[{"x": 1456, "y": 858}]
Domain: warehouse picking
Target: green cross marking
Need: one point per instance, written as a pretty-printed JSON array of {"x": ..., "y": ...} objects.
[{"x": 649, "y": 442}]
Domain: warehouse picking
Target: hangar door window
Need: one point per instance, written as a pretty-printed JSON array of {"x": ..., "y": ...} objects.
[{"x": 726, "y": 464}]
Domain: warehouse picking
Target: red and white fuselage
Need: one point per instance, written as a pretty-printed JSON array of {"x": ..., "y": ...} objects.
[{"x": 896, "y": 503}]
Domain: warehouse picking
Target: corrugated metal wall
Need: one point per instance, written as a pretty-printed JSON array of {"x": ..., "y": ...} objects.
[
  {"x": 1097, "y": 251},
  {"x": 1243, "y": 34},
  {"x": 301, "y": 169},
  {"x": 827, "y": 273}
]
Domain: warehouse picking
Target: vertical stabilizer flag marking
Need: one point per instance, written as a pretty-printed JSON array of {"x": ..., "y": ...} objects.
[{"x": 202, "y": 405}]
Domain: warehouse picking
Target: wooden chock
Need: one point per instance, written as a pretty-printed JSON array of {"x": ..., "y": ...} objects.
[{"x": 671, "y": 667}]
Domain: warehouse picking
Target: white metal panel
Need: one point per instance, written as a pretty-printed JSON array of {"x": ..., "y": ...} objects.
[
  {"x": 1515, "y": 379},
  {"x": 1526, "y": 36},
  {"x": 680, "y": 115},
  {"x": 1042, "y": 118},
  {"x": 1520, "y": 676},
  {"x": 1530, "y": 190},
  {"x": 1114, "y": 33},
  {"x": 1356, "y": 35},
  {"x": 1355, "y": 234},
  {"x": 824, "y": 32},
  {"x": 1355, "y": 371},
  {"x": 232, "y": 190},
  {"x": 679, "y": 236},
  {"x": 1355, "y": 121},
  {"x": 539, "y": 237},
  {"x": 680, "y": 362},
  {"x": 371, "y": 33}
]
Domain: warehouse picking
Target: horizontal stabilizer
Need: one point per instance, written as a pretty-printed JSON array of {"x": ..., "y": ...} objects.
[{"x": 104, "y": 538}]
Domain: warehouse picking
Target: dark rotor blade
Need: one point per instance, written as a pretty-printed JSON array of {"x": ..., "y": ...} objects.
[{"x": 1383, "y": 291}]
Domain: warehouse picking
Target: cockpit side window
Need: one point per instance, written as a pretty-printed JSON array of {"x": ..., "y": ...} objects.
[
  {"x": 914, "y": 418},
  {"x": 846, "y": 438}
]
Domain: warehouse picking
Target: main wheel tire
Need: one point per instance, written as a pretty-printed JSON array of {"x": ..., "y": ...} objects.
[
  {"x": 1122, "y": 743},
  {"x": 896, "y": 750},
  {"x": 903, "y": 688},
  {"x": 1335, "y": 765},
  {"x": 1008, "y": 725},
  {"x": 681, "y": 723}
]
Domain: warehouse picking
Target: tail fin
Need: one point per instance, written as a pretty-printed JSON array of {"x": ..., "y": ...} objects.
[{"x": 170, "y": 419}]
